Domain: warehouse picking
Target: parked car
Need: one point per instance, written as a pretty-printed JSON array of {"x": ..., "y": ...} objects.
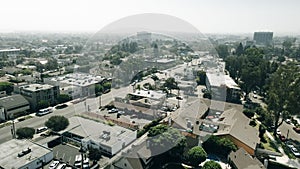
[
  {"x": 61, "y": 166},
  {"x": 288, "y": 121},
  {"x": 61, "y": 106},
  {"x": 282, "y": 138},
  {"x": 289, "y": 144},
  {"x": 45, "y": 111},
  {"x": 54, "y": 164},
  {"x": 41, "y": 129},
  {"x": 297, "y": 129},
  {"x": 295, "y": 152},
  {"x": 113, "y": 110}
]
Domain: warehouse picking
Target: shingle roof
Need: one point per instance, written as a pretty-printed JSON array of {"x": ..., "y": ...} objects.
[
  {"x": 242, "y": 160},
  {"x": 13, "y": 101}
]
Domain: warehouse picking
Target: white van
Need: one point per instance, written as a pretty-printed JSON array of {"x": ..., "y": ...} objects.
[{"x": 45, "y": 111}]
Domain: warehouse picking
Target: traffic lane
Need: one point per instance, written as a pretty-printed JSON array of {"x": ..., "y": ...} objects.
[
  {"x": 34, "y": 122},
  {"x": 284, "y": 128}
]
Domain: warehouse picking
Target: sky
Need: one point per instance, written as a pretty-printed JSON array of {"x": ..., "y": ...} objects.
[{"x": 208, "y": 16}]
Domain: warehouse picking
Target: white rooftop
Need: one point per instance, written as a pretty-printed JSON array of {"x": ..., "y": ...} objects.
[
  {"x": 10, "y": 149},
  {"x": 218, "y": 79},
  {"x": 149, "y": 94},
  {"x": 78, "y": 79}
]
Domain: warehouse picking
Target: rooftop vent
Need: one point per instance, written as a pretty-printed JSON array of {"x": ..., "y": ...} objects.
[{"x": 24, "y": 152}]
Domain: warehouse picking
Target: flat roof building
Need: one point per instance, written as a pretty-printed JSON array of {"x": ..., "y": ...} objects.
[
  {"x": 76, "y": 85},
  {"x": 23, "y": 154},
  {"x": 35, "y": 93},
  {"x": 109, "y": 139}
]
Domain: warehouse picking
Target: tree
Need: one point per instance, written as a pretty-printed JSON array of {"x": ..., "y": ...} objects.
[
  {"x": 222, "y": 50},
  {"x": 239, "y": 50},
  {"x": 25, "y": 133},
  {"x": 7, "y": 87},
  {"x": 283, "y": 94},
  {"x": 211, "y": 165},
  {"x": 94, "y": 154},
  {"x": 196, "y": 155},
  {"x": 201, "y": 76},
  {"x": 171, "y": 84},
  {"x": 62, "y": 98},
  {"x": 166, "y": 140},
  {"x": 219, "y": 145},
  {"x": 57, "y": 123},
  {"x": 43, "y": 104}
]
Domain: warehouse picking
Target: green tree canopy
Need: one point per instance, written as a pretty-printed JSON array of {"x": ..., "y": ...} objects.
[
  {"x": 211, "y": 165},
  {"x": 219, "y": 145},
  {"x": 6, "y": 86},
  {"x": 94, "y": 154},
  {"x": 196, "y": 155},
  {"x": 239, "y": 50},
  {"x": 57, "y": 123},
  {"x": 62, "y": 98},
  {"x": 222, "y": 50},
  {"x": 25, "y": 133}
]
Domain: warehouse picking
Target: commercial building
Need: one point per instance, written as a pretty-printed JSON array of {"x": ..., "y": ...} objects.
[
  {"x": 263, "y": 38},
  {"x": 23, "y": 154},
  {"x": 109, "y": 139},
  {"x": 76, "y": 85},
  {"x": 35, "y": 93},
  {"x": 13, "y": 106}
]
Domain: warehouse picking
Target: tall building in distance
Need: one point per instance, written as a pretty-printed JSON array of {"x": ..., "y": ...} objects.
[{"x": 263, "y": 38}]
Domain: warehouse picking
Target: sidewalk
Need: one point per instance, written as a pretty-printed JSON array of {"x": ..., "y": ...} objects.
[{"x": 284, "y": 159}]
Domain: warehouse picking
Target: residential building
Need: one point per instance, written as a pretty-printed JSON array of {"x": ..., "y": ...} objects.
[
  {"x": 109, "y": 139},
  {"x": 35, "y": 93},
  {"x": 222, "y": 87},
  {"x": 204, "y": 117},
  {"x": 13, "y": 106},
  {"x": 138, "y": 157},
  {"x": 263, "y": 38},
  {"x": 24, "y": 154},
  {"x": 242, "y": 160}
]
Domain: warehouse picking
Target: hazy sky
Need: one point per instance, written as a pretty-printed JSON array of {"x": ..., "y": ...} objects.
[{"x": 210, "y": 16}]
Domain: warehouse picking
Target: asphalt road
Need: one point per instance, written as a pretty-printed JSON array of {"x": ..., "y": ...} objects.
[{"x": 71, "y": 110}]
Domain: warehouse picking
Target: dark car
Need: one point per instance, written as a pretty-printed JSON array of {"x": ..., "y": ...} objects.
[
  {"x": 297, "y": 129},
  {"x": 61, "y": 106}
]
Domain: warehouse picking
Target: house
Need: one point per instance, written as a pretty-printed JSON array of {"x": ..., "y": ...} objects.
[
  {"x": 242, "y": 160},
  {"x": 204, "y": 117},
  {"x": 138, "y": 157},
  {"x": 24, "y": 154},
  {"x": 35, "y": 93},
  {"x": 110, "y": 139},
  {"x": 13, "y": 106}
]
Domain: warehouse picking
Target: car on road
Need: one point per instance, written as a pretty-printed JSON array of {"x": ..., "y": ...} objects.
[
  {"x": 255, "y": 96},
  {"x": 289, "y": 144},
  {"x": 54, "y": 164},
  {"x": 295, "y": 152},
  {"x": 121, "y": 112},
  {"x": 288, "y": 121}
]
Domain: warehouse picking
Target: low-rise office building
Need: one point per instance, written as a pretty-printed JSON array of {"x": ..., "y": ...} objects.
[
  {"x": 23, "y": 154},
  {"x": 76, "y": 85},
  {"x": 13, "y": 106},
  {"x": 109, "y": 139}
]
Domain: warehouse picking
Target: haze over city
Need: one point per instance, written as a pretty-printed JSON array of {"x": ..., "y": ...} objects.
[{"x": 215, "y": 16}]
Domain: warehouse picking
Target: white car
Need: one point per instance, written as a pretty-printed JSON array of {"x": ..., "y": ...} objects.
[
  {"x": 54, "y": 164},
  {"x": 288, "y": 121},
  {"x": 295, "y": 152}
]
